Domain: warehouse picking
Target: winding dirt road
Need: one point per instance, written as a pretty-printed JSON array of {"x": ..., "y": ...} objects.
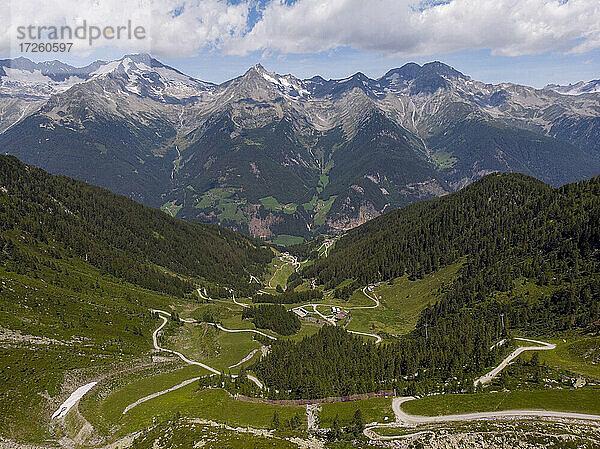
[
  {"x": 331, "y": 321},
  {"x": 403, "y": 419},
  {"x": 406, "y": 419},
  {"x": 192, "y": 362},
  {"x": 164, "y": 315},
  {"x": 178, "y": 354},
  {"x": 486, "y": 378}
]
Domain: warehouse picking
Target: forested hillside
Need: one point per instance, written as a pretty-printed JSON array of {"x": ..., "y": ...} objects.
[
  {"x": 117, "y": 235},
  {"x": 80, "y": 269},
  {"x": 512, "y": 231},
  {"x": 274, "y": 317},
  {"x": 501, "y": 219}
]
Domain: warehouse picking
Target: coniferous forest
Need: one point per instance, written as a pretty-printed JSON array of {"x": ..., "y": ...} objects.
[
  {"x": 119, "y": 236},
  {"x": 506, "y": 227},
  {"x": 274, "y": 317}
]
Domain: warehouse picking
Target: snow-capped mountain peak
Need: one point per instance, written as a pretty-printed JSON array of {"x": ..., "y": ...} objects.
[
  {"x": 582, "y": 87},
  {"x": 142, "y": 75}
]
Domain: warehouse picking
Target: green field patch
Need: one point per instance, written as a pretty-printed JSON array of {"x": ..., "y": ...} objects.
[
  {"x": 223, "y": 200},
  {"x": 218, "y": 310},
  {"x": 401, "y": 302},
  {"x": 576, "y": 354},
  {"x": 204, "y": 343},
  {"x": 577, "y": 401},
  {"x": 373, "y": 410},
  {"x": 444, "y": 159},
  {"x": 270, "y": 203},
  {"x": 323, "y": 180},
  {"x": 289, "y": 208},
  {"x": 216, "y": 405},
  {"x": 524, "y": 287},
  {"x": 278, "y": 273},
  {"x": 322, "y": 209},
  {"x": 230, "y": 211},
  {"x": 171, "y": 208},
  {"x": 104, "y": 406},
  {"x": 287, "y": 240},
  {"x": 305, "y": 331},
  {"x": 212, "y": 197},
  {"x": 311, "y": 204}
]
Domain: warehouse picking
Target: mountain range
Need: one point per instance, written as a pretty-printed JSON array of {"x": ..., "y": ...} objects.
[{"x": 285, "y": 158}]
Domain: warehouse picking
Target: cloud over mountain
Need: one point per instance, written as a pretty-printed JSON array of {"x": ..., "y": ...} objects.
[
  {"x": 393, "y": 27},
  {"x": 409, "y": 28}
]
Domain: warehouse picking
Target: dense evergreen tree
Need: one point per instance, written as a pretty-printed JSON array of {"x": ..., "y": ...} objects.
[
  {"x": 274, "y": 317},
  {"x": 497, "y": 221}
]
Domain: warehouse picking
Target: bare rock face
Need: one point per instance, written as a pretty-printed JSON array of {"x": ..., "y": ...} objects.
[
  {"x": 353, "y": 217},
  {"x": 515, "y": 435}
]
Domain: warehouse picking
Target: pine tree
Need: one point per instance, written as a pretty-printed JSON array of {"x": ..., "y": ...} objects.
[{"x": 275, "y": 423}]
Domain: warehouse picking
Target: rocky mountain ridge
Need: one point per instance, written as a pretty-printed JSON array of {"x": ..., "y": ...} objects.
[{"x": 274, "y": 155}]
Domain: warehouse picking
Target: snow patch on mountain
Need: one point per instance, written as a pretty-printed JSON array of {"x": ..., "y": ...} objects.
[{"x": 582, "y": 87}]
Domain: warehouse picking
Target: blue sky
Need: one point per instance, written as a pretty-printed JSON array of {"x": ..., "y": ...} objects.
[{"x": 532, "y": 42}]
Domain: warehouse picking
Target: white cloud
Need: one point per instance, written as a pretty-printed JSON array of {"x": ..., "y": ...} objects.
[
  {"x": 393, "y": 27},
  {"x": 409, "y": 28},
  {"x": 173, "y": 27}
]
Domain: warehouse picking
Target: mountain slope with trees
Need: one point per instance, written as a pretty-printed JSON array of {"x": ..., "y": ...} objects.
[
  {"x": 273, "y": 155},
  {"x": 511, "y": 230},
  {"x": 80, "y": 269},
  {"x": 118, "y": 235}
]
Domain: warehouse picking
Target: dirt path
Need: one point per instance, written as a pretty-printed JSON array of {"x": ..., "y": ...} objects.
[
  {"x": 245, "y": 359},
  {"x": 403, "y": 419},
  {"x": 178, "y": 354},
  {"x": 373, "y": 298},
  {"x": 159, "y": 393},
  {"x": 486, "y": 378},
  {"x": 287, "y": 259},
  {"x": 406, "y": 419},
  {"x": 162, "y": 314},
  {"x": 192, "y": 362}
]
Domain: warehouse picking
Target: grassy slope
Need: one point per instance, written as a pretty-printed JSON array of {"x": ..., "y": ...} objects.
[
  {"x": 103, "y": 407},
  {"x": 179, "y": 434},
  {"x": 216, "y": 405},
  {"x": 579, "y": 355},
  {"x": 401, "y": 303},
  {"x": 373, "y": 410},
  {"x": 581, "y": 401},
  {"x": 66, "y": 323},
  {"x": 278, "y": 273},
  {"x": 204, "y": 343},
  {"x": 287, "y": 240}
]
